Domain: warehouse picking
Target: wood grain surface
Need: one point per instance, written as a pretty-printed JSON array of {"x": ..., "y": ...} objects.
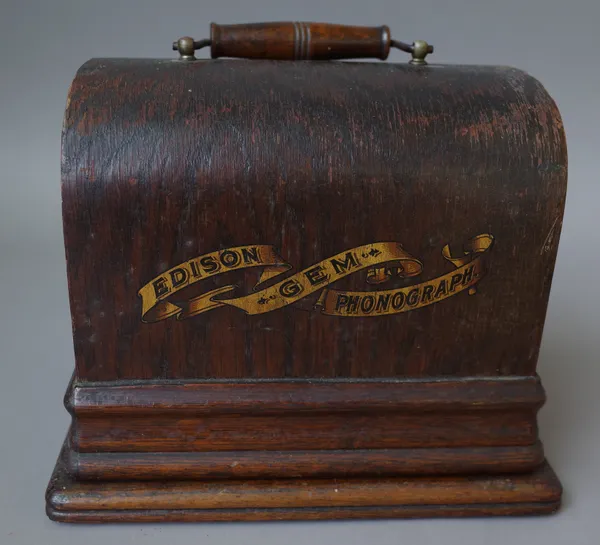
[
  {"x": 365, "y": 177},
  {"x": 533, "y": 493},
  {"x": 166, "y": 160},
  {"x": 253, "y": 429},
  {"x": 270, "y": 464}
]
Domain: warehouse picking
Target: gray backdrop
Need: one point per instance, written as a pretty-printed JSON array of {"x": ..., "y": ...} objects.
[{"x": 43, "y": 42}]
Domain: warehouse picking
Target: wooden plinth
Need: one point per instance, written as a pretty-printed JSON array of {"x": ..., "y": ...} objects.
[
  {"x": 532, "y": 493},
  {"x": 316, "y": 429},
  {"x": 213, "y": 451}
]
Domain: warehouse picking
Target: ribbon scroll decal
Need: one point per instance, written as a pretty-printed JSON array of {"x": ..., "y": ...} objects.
[{"x": 382, "y": 261}]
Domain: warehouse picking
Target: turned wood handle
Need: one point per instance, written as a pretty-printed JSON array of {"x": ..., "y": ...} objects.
[{"x": 299, "y": 41}]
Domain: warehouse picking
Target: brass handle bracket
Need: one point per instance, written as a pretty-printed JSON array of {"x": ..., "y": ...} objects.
[
  {"x": 188, "y": 46},
  {"x": 419, "y": 49}
]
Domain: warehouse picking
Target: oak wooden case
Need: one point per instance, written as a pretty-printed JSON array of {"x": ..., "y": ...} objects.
[{"x": 306, "y": 290}]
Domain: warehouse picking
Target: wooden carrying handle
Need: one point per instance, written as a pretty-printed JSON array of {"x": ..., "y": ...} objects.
[{"x": 299, "y": 41}]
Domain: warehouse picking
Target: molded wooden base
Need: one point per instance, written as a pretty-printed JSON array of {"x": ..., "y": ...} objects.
[
  {"x": 533, "y": 493},
  {"x": 170, "y": 430},
  {"x": 212, "y": 451}
]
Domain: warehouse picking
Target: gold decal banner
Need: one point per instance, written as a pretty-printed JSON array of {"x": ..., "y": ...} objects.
[{"x": 382, "y": 261}]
